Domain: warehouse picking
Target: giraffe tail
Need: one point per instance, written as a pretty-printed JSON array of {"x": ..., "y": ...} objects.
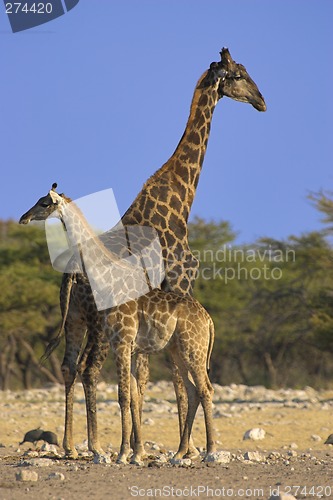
[
  {"x": 211, "y": 342},
  {"x": 53, "y": 344}
]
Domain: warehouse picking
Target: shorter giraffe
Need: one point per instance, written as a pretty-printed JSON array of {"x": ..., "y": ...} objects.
[{"x": 146, "y": 325}]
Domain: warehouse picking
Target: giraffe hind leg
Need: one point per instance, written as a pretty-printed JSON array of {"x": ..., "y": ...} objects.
[
  {"x": 192, "y": 402},
  {"x": 200, "y": 390},
  {"x": 182, "y": 404},
  {"x": 205, "y": 392}
]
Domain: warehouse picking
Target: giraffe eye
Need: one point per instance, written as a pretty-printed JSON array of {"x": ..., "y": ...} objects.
[
  {"x": 44, "y": 205},
  {"x": 237, "y": 76}
]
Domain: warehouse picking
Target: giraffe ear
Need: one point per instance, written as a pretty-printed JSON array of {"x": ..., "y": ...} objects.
[{"x": 220, "y": 72}]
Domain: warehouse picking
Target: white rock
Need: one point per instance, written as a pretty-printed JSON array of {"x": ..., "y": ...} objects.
[
  {"x": 219, "y": 457},
  {"x": 183, "y": 462},
  {"x": 82, "y": 446},
  {"x": 256, "y": 434},
  {"x": 56, "y": 475},
  {"x": 152, "y": 445},
  {"x": 38, "y": 462},
  {"x": 85, "y": 454},
  {"x": 316, "y": 438},
  {"x": 51, "y": 448},
  {"x": 148, "y": 421},
  {"x": 156, "y": 447},
  {"x": 27, "y": 475},
  {"x": 102, "y": 459},
  {"x": 254, "y": 456},
  {"x": 149, "y": 444},
  {"x": 219, "y": 413},
  {"x": 31, "y": 454}
]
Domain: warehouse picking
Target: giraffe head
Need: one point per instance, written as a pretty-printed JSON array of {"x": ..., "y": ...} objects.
[
  {"x": 44, "y": 207},
  {"x": 237, "y": 83}
]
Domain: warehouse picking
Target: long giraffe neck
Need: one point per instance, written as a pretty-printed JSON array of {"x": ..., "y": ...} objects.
[
  {"x": 171, "y": 190},
  {"x": 186, "y": 162},
  {"x": 82, "y": 240},
  {"x": 113, "y": 278},
  {"x": 78, "y": 231}
]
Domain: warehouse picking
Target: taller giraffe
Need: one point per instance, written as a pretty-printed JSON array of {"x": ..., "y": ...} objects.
[
  {"x": 164, "y": 203},
  {"x": 166, "y": 198}
]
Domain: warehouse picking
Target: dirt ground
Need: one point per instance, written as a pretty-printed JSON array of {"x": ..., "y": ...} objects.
[{"x": 291, "y": 458}]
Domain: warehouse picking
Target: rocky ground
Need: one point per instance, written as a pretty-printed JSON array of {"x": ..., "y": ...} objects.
[{"x": 285, "y": 451}]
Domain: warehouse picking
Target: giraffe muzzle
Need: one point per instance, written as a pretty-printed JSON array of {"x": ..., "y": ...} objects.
[{"x": 25, "y": 219}]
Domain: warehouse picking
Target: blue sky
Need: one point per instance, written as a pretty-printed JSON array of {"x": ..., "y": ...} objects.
[{"x": 99, "y": 98}]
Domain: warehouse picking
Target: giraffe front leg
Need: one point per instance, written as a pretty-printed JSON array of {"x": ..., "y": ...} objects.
[
  {"x": 68, "y": 441},
  {"x": 141, "y": 374},
  {"x": 75, "y": 330},
  {"x": 123, "y": 361}
]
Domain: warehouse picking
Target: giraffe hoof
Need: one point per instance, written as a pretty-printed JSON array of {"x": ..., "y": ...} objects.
[
  {"x": 72, "y": 455},
  {"x": 96, "y": 450},
  {"x": 193, "y": 454},
  {"x": 137, "y": 461}
]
